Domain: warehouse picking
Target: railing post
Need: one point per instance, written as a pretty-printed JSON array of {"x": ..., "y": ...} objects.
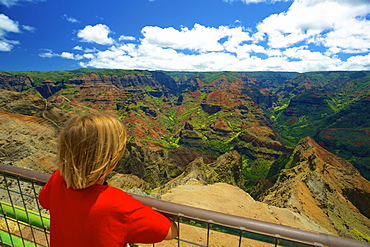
[
  {"x": 178, "y": 229},
  {"x": 276, "y": 239},
  {"x": 240, "y": 236},
  {"x": 209, "y": 226}
]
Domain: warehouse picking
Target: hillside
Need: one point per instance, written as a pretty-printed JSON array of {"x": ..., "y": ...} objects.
[
  {"x": 262, "y": 115},
  {"x": 325, "y": 188},
  {"x": 211, "y": 127}
]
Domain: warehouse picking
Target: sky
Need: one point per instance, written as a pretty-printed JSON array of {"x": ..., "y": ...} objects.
[{"x": 185, "y": 35}]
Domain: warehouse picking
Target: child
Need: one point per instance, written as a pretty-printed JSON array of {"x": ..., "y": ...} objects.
[{"x": 84, "y": 210}]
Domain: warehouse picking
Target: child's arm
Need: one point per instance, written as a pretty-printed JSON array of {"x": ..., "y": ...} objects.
[
  {"x": 172, "y": 232},
  {"x": 44, "y": 195}
]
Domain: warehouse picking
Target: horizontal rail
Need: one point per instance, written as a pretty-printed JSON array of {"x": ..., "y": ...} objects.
[
  {"x": 27, "y": 174},
  {"x": 246, "y": 224}
]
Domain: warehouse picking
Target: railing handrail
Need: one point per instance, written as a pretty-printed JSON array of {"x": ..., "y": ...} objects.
[
  {"x": 27, "y": 174},
  {"x": 208, "y": 215}
]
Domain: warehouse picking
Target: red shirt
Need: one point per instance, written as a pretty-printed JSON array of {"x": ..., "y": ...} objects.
[{"x": 99, "y": 215}]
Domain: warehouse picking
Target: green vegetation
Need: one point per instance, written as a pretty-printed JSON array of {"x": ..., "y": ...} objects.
[
  {"x": 336, "y": 119},
  {"x": 331, "y": 107},
  {"x": 255, "y": 169}
]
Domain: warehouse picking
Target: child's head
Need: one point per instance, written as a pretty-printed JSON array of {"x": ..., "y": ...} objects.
[{"x": 89, "y": 147}]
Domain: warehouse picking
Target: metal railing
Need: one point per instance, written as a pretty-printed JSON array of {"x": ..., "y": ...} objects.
[{"x": 24, "y": 223}]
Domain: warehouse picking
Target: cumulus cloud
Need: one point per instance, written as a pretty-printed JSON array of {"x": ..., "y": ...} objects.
[
  {"x": 310, "y": 35},
  {"x": 199, "y": 38},
  {"x": 7, "y": 25},
  {"x": 72, "y": 56},
  {"x": 96, "y": 34},
  {"x": 332, "y": 23}
]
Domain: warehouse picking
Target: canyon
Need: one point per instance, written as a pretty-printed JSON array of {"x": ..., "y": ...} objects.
[{"x": 276, "y": 141}]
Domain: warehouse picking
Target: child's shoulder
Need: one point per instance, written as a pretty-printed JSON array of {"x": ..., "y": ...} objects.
[
  {"x": 114, "y": 192},
  {"x": 116, "y": 197}
]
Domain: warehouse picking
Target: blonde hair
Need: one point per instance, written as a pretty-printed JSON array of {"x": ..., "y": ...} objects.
[{"x": 89, "y": 146}]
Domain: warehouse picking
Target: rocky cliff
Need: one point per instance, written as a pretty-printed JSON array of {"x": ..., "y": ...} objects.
[
  {"x": 232, "y": 200},
  {"x": 18, "y": 83},
  {"x": 325, "y": 188},
  {"x": 29, "y": 127},
  {"x": 164, "y": 113},
  {"x": 214, "y": 112},
  {"x": 28, "y": 137}
]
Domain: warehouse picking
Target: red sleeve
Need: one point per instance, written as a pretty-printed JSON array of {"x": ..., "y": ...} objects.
[
  {"x": 44, "y": 195},
  {"x": 146, "y": 225}
]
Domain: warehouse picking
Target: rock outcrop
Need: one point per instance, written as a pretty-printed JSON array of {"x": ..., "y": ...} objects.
[
  {"x": 325, "y": 188},
  {"x": 31, "y": 105},
  {"x": 227, "y": 169},
  {"x": 225, "y": 198},
  {"x": 27, "y": 141},
  {"x": 28, "y": 131},
  {"x": 18, "y": 83},
  {"x": 167, "y": 169}
]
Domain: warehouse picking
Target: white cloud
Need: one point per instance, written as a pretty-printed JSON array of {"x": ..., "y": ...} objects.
[
  {"x": 358, "y": 62},
  {"x": 29, "y": 28},
  {"x": 158, "y": 50},
  {"x": 10, "y": 3},
  {"x": 7, "y": 26},
  {"x": 67, "y": 55},
  {"x": 70, "y": 19},
  {"x": 48, "y": 54},
  {"x": 199, "y": 38},
  {"x": 7, "y": 45},
  {"x": 311, "y": 35},
  {"x": 78, "y": 48},
  {"x": 123, "y": 37},
  {"x": 332, "y": 23},
  {"x": 351, "y": 36},
  {"x": 88, "y": 50},
  {"x": 96, "y": 34},
  {"x": 256, "y": 1}
]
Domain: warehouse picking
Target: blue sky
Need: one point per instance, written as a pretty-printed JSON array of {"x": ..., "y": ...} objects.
[{"x": 187, "y": 35}]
